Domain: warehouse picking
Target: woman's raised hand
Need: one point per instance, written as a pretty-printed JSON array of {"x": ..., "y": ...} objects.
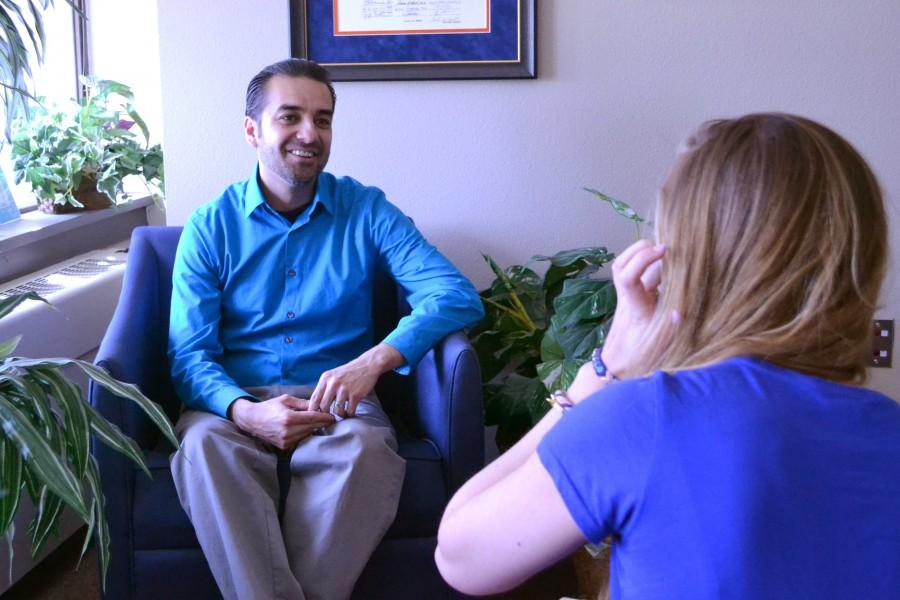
[{"x": 636, "y": 274}]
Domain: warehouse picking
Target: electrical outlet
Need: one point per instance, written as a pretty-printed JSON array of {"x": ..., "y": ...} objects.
[{"x": 883, "y": 343}]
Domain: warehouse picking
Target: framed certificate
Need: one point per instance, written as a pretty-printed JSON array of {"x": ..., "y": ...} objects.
[{"x": 416, "y": 39}]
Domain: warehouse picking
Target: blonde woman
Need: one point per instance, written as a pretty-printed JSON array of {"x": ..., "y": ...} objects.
[{"x": 722, "y": 437}]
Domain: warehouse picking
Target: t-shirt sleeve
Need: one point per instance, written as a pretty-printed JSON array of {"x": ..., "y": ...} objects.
[{"x": 600, "y": 453}]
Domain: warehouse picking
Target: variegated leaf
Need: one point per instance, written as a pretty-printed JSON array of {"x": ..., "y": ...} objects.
[
  {"x": 45, "y": 520},
  {"x": 77, "y": 430},
  {"x": 9, "y": 346},
  {"x": 113, "y": 437},
  {"x": 39, "y": 457},
  {"x": 125, "y": 390},
  {"x": 102, "y": 530},
  {"x": 11, "y": 479}
]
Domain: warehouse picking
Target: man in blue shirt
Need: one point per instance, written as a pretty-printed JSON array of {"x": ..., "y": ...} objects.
[{"x": 272, "y": 352}]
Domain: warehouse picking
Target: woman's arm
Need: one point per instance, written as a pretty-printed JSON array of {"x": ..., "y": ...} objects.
[
  {"x": 509, "y": 521},
  {"x": 507, "y": 532}
]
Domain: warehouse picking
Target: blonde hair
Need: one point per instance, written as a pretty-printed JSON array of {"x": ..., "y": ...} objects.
[{"x": 776, "y": 249}]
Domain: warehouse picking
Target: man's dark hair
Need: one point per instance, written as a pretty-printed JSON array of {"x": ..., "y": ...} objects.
[{"x": 292, "y": 67}]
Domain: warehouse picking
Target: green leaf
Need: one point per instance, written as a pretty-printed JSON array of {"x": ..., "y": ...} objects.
[
  {"x": 514, "y": 406},
  {"x": 558, "y": 374},
  {"x": 140, "y": 123},
  {"x": 125, "y": 390},
  {"x": 7, "y": 305},
  {"x": 620, "y": 207},
  {"x": 46, "y": 520},
  {"x": 575, "y": 342},
  {"x": 505, "y": 289},
  {"x": 35, "y": 403},
  {"x": 113, "y": 437},
  {"x": 39, "y": 457},
  {"x": 98, "y": 516},
  {"x": 77, "y": 429},
  {"x": 578, "y": 262},
  {"x": 11, "y": 480},
  {"x": 32, "y": 485},
  {"x": 517, "y": 398},
  {"x": 593, "y": 255},
  {"x": 10, "y": 535},
  {"x": 585, "y": 299},
  {"x": 9, "y": 346}
]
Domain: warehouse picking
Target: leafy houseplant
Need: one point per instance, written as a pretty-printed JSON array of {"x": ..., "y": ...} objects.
[
  {"x": 77, "y": 155},
  {"x": 538, "y": 330},
  {"x": 45, "y": 435}
]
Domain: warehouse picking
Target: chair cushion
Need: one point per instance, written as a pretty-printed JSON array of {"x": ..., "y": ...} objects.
[{"x": 159, "y": 522}]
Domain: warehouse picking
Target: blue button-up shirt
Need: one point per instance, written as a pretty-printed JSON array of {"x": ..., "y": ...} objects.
[{"x": 258, "y": 300}]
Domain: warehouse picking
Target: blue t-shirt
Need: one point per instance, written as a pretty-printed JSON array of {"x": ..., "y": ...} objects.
[{"x": 738, "y": 480}]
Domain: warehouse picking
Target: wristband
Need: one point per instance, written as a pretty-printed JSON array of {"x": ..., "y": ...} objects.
[
  {"x": 560, "y": 400},
  {"x": 600, "y": 367}
]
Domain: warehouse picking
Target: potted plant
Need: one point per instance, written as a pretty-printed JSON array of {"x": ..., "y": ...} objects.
[
  {"x": 76, "y": 155},
  {"x": 45, "y": 442},
  {"x": 538, "y": 330}
]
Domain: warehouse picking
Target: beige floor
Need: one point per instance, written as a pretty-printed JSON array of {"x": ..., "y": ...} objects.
[{"x": 56, "y": 578}]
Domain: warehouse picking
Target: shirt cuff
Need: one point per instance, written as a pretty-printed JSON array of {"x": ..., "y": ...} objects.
[
  {"x": 224, "y": 398},
  {"x": 406, "y": 344}
]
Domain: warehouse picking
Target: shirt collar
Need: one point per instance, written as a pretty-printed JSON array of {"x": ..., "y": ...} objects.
[{"x": 253, "y": 196}]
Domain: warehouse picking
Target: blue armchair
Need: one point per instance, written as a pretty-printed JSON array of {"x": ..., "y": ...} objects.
[{"x": 437, "y": 412}]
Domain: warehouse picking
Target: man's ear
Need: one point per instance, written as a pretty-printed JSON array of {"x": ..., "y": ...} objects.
[{"x": 251, "y": 132}]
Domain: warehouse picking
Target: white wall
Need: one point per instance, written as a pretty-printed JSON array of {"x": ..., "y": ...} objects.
[{"x": 498, "y": 166}]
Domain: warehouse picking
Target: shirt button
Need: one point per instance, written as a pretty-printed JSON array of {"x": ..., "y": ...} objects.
[
  {"x": 292, "y": 273},
  {"x": 288, "y": 339},
  {"x": 290, "y": 314}
]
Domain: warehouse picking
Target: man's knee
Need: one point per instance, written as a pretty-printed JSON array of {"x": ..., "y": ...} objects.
[
  {"x": 366, "y": 438},
  {"x": 202, "y": 434}
]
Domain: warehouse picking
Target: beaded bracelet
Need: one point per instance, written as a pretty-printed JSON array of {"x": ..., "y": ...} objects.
[
  {"x": 600, "y": 367},
  {"x": 560, "y": 399}
]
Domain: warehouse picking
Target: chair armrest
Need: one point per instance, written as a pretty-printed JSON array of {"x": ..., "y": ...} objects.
[
  {"x": 447, "y": 384},
  {"x": 134, "y": 348}
]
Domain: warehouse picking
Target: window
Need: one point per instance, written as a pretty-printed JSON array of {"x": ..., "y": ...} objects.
[
  {"x": 105, "y": 48},
  {"x": 56, "y": 79}
]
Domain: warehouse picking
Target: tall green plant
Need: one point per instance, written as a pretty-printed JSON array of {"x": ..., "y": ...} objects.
[
  {"x": 21, "y": 44},
  {"x": 538, "y": 330},
  {"x": 45, "y": 435}
]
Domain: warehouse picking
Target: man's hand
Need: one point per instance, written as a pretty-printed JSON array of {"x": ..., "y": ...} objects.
[
  {"x": 347, "y": 385},
  {"x": 282, "y": 421}
]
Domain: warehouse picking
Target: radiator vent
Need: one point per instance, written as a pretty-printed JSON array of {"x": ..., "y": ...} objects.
[
  {"x": 59, "y": 280},
  {"x": 82, "y": 293}
]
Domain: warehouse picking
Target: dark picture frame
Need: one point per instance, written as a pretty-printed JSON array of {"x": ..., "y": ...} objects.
[{"x": 505, "y": 49}]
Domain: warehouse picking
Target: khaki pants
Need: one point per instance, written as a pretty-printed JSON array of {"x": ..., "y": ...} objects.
[{"x": 345, "y": 487}]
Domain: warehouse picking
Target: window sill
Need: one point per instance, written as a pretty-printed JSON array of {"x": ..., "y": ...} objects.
[{"x": 38, "y": 240}]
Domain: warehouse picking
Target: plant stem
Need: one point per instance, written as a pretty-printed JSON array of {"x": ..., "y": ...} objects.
[
  {"x": 522, "y": 312},
  {"x": 515, "y": 314}
]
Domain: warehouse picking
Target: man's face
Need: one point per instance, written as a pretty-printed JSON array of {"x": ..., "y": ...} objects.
[{"x": 293, "y": 135}]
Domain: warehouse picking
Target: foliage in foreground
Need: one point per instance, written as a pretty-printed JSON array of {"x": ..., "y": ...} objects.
[{"x": 45, "y": 442}]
